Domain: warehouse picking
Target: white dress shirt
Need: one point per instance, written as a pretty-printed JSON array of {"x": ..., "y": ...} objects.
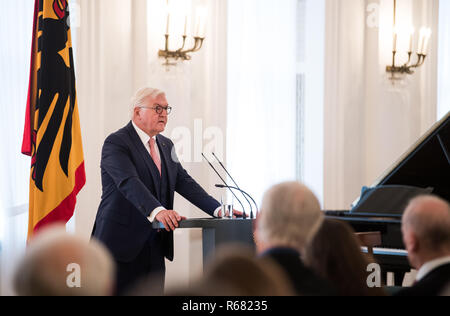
[
  {"x": 145, "y": 139},
  {"x": 430, "y": 266}
]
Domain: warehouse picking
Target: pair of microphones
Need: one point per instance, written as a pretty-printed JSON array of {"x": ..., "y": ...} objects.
[{"x": 233, "y": 188}]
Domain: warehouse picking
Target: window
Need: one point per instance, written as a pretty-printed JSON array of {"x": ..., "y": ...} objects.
[
  {"x": 275, "y": 77},
  {"x": 300, "y": 90},
  {"x": 15, "y": 34}
]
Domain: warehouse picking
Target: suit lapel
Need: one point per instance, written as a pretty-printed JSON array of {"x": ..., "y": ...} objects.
[
  {"x": 151, "y": 167},
  {"x": 165, "y": 157}
]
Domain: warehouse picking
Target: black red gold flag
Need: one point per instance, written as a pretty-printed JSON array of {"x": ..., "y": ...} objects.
[{"x": 52, "y": 135}]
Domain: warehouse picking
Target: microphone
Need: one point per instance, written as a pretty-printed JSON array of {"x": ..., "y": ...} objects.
[
  {"x": 237, "y": 186},
  {"x": 226, "y": 185},
  {"x": 243, "y": 193}
]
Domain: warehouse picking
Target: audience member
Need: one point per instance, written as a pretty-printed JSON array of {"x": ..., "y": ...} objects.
[
  {"x": 234, "y": 271},
  {"x": 426, "y": 235},
  {"x": 59, "y": 264},
  {"x": 335, "y": 254},
  {"x": 446, "y": 291},
  {"x": 246, "y": 275},
  {"x": 290, "y": 217}
]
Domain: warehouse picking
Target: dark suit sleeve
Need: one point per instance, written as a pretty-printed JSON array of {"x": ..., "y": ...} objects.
[
  {"x": 116, "y": 161},
  {"x": 188, "y": 188}
]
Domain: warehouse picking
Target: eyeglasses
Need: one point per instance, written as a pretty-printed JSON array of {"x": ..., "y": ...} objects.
[{"x": 159, "y": 109}]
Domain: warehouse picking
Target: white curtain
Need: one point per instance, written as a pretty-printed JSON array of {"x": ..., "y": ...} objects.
[
  {"x": 444, "y": 60},
  {"x": 261, "y": 93},
  {"x": 15, "y": 37}
]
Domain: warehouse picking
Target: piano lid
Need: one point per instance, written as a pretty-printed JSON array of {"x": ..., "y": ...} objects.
[{"x": 426, "y": 163}]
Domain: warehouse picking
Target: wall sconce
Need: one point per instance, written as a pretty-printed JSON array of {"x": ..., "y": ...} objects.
[
  {"x": 422, "y": 49},
  {"x": 172, "y": 56}
]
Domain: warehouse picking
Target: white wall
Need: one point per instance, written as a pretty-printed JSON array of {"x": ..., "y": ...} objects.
[
  {"x": 397, "y": 115},
  {"x": 105, "y": 78},
  {"x": 314, "y": 150},
  {"x": 262, "y": 94},
  {"x": 369, "y": 122},
  {"x": 344, "y": 102}
]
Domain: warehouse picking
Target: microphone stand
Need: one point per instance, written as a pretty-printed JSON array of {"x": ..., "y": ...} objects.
[
  {"x": 237, "y": 186},
  {"x": 226, "y": 185}
]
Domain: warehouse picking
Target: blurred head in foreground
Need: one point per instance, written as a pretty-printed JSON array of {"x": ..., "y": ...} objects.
[
  {"x": 235, "y": 271},
  {"x": 290, "y": 216},
  {"x": 59, "y": 264},
  {"x": 335, "y": 254},
  {"x": 426, "y": 230}
]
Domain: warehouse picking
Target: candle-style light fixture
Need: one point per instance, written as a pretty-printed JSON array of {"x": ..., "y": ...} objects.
[
  {"x": 422, "y": 49},
  {"x": 172, "y": 56}
]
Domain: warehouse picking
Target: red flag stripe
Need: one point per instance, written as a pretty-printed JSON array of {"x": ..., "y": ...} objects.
[
  {"x": 65, "y": 210},
  {"x": 27, "y": 141}
]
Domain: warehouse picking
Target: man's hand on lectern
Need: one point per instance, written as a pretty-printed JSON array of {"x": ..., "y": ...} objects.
[{"x": 170, "y": 219}]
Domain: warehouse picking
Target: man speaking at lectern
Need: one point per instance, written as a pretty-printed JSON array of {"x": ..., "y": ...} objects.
[{"x": 139, "y": 179}]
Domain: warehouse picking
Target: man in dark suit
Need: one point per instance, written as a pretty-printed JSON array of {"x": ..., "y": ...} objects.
[
  {"x": 140, "y": 174},
  {"x": 426, "y": 235},
  {"x": 290, "y": 216}
]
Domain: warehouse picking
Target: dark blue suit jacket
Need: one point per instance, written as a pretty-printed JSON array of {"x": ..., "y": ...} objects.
[
  {"x": 132, "y": 190},
  {"x": 433, "y": 284},
  {"x": 304, "y": 280}
]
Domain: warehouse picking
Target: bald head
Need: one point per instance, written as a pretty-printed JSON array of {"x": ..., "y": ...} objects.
[
  {"x": 428, "y": 218},
  {"x": 290, "y": 216},
  {"x": 53, "y": 260}
]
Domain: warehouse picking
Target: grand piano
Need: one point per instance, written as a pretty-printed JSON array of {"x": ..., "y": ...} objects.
[{"x": 425, "y": 167}]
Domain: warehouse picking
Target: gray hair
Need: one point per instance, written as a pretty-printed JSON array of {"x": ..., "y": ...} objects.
[
  {"x": 46, "y": 268},
  {"x": 290, "y": 216},
  {"x": 428, "y": 217},
  {"x": 141, "y": 97}
]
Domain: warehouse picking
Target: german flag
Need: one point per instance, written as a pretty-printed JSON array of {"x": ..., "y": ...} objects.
[{"x": 52, "y": 135}]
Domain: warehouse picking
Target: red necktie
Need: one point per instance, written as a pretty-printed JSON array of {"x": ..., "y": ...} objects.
[{"x": 154, "y": 155}]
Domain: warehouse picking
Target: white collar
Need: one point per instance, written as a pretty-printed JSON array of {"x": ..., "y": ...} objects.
[
  {"x": 430, "y": 266},
  {"x": 142, "y": 135}
]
